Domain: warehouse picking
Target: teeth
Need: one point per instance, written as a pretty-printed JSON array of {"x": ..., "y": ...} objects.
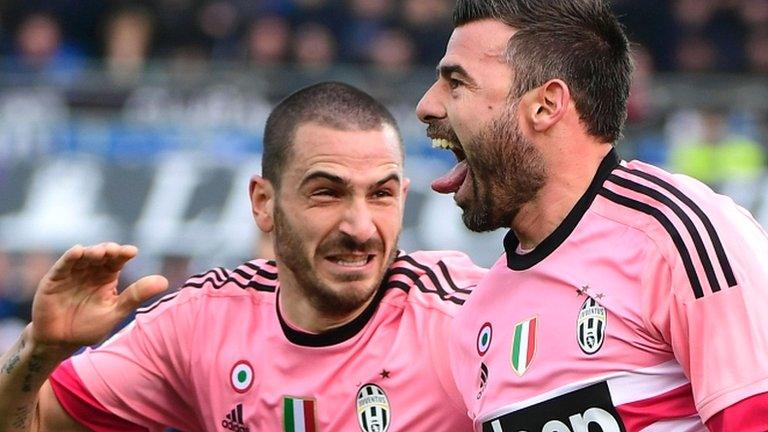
[
  {"x": 442, "y": 143},
  {"x": 359, "y": 262}
]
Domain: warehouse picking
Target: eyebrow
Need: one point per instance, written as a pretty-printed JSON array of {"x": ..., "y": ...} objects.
[
  {"x": 387, "y": 179},
  {"x": 333, "y": 178},
  {"x": 446, "y": 70}
]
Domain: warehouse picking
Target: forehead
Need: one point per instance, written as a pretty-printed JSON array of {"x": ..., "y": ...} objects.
[
  {"x": 478, "y": 43},
  {"x": 345, "y": 152}
]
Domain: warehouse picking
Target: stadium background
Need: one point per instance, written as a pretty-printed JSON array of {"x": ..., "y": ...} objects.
[{"x": 141, "y": 122}]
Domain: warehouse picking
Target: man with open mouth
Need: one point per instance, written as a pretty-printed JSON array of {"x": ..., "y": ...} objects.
[
  {"x": 627, "y": 298},
  {"x": 342, "y": 332}
]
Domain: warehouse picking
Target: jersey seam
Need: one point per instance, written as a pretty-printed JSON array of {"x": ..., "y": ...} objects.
[
  {"x": 151, "y": 317},
  {"x": 656, "y": 247},
  {"x": 416, "y": 303}
]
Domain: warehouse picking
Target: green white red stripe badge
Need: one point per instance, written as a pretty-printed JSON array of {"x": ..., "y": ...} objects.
[
  {"x": 523, "y": 345},
  {"x": 298, "y": 414}
]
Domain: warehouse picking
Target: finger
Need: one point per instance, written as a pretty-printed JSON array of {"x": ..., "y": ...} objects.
[
  {"x": 141, "y": 291},
  {"x": 63, "y": 266},
  {"x": 91, "y": 256},
  {"x": 117, "y": 255}
]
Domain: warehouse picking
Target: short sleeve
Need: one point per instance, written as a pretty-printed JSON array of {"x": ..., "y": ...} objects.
[
  {"x": 142, "y": 374},
  {"x": 720, "y": 337}
]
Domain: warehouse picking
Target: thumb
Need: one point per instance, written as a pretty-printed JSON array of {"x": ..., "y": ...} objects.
[{"x": 141, "y": 291}]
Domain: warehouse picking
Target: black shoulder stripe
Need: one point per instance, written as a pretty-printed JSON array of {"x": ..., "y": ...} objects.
[
  {"x": 447, "y": 275},
  {"x": 261, "y": 271},
  {"x": 439, "y": 291},
  {"x": 716, "y": 243},
  {"x": 212, "y": 276},
  {"x": 155, "y": 305},
  {"x": 243, "y": 273},
  {"x": 259, "y": 286},
  {"x": 680, "y": 213},
  {"x": 217, "y": 277},
  {"x": 431, "y": 273},
  {"x": 398, "y": 284},
  {"x": 669, "y": 227}
]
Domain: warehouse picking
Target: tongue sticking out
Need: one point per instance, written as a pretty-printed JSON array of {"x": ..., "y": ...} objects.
[{"x": 451, "y": 182}]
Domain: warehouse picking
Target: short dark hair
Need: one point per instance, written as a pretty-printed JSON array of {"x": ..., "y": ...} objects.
[
  {"x": 578, "y": 41},
  {"x": 333, "y": 104}
]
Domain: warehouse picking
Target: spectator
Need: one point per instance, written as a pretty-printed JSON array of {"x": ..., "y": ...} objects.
[
  {"x": 128, "y": 38},
  {"x": 268, "y": 39},
  {"x": 314, "y": 47},
  {"x": 367, "y": 18},
  {"x": 219, "y": 22},
  {"x": 425, "y": 21},
  {"x": 757, "y": 52},
  {"x": 695, "y": 53},
  {"x": 718, "y": 155},
  {"x": 392, "y": 50},
  {"x": 40, "y": 49}
]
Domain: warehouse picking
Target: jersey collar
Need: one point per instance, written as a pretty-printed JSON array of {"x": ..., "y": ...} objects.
[
  {"x": 339, "y": 334},
  {"x": 517, "y": 261}
]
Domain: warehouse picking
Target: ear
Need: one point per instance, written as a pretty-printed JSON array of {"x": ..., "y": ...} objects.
[
  {"x": 405, "y": 186},
  {"x": 262, "y": 203},
  {"x": 549, "y": 104}
]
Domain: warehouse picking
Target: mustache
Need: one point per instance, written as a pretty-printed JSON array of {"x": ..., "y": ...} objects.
[
  {"x": 343, "y": 243},
  {"x": 442, "y": 130}
]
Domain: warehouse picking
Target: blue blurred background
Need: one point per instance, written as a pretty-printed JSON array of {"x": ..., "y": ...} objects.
[{"x": 141, "y": 122}]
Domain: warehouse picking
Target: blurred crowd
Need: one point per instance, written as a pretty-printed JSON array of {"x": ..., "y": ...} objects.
[
  {"x": 700, "y": 35},
  {"x": 61, "y": 36},
  {"x": 61, "y": 41}
]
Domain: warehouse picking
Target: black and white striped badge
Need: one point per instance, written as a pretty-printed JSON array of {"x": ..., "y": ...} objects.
[
  {"x": 591, "y": 325},
  {"x": 373, "y": 413}
]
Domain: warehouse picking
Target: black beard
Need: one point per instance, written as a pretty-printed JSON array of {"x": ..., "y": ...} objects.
[
  {"x": 290, "y": 251},
  {"x": 507, "y": 172}
]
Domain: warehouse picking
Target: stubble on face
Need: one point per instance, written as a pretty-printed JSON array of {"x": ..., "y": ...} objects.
[
  {"x": 332, "y": 302},
  {"x": 507, "y": 171}
]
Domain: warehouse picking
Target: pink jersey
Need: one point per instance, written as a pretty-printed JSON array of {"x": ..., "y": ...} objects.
[
  {"x": 643, "y": 311},
  {"x": 218, "y": 356}
]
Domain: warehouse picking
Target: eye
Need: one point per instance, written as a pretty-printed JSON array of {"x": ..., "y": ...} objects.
[
  {"x": 453, "y": 83},
  {"x": 383, "y": 193},
  {"x": 324, "y": 193}
]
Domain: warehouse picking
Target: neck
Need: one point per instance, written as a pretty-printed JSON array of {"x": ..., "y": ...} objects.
[
  {"x": 567, "y": 180},
  {"x": 299, "y": 310}
]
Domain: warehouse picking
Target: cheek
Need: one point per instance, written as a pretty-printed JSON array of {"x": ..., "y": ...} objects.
[{"x": 389, "y": 222}]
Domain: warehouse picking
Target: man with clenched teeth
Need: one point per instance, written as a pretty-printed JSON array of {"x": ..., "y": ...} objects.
[
  {"x": 342, "y": 333},
  {"x": 627, "y": 298}
]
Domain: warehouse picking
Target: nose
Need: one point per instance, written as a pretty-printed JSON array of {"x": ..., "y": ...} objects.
[
  {"x": 358, "y": 222},
  {"x": 429, "y": 107}
]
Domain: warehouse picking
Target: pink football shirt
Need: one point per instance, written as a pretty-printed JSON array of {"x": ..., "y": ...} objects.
[
  {"x": 643, "y": 311},
  {"x": 217, "y": 355}
]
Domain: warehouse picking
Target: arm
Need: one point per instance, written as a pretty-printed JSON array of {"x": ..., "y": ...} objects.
[
  {"x": 748, "y": 415},
  {"x": 76, "y": 305}
]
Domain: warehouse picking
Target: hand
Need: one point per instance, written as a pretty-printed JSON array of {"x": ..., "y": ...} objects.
[{"x": 77, "y": 303}]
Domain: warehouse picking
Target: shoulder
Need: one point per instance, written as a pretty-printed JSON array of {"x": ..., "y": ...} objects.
[
  {"x": 687, "y": 222},
  {"x": 253, "y": 279},
  {"x": 434, "y": 279}
]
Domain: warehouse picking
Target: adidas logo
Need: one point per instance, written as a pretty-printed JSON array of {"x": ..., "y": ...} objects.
[{"x": 234, "y": 420}]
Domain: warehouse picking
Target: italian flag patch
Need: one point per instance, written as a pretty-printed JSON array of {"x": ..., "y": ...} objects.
[
  {"x": 298, "y": 414},
  {"x": 523, "y": 345}
]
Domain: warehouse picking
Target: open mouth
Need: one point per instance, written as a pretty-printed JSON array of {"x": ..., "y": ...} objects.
[
  {"x": 351, "y": 261},
  {"x": 445, "y": 144},
  {"x": 451, "y": 181}
]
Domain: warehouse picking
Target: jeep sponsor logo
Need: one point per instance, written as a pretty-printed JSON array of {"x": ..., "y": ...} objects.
[{"x": 589, "y": 409}]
